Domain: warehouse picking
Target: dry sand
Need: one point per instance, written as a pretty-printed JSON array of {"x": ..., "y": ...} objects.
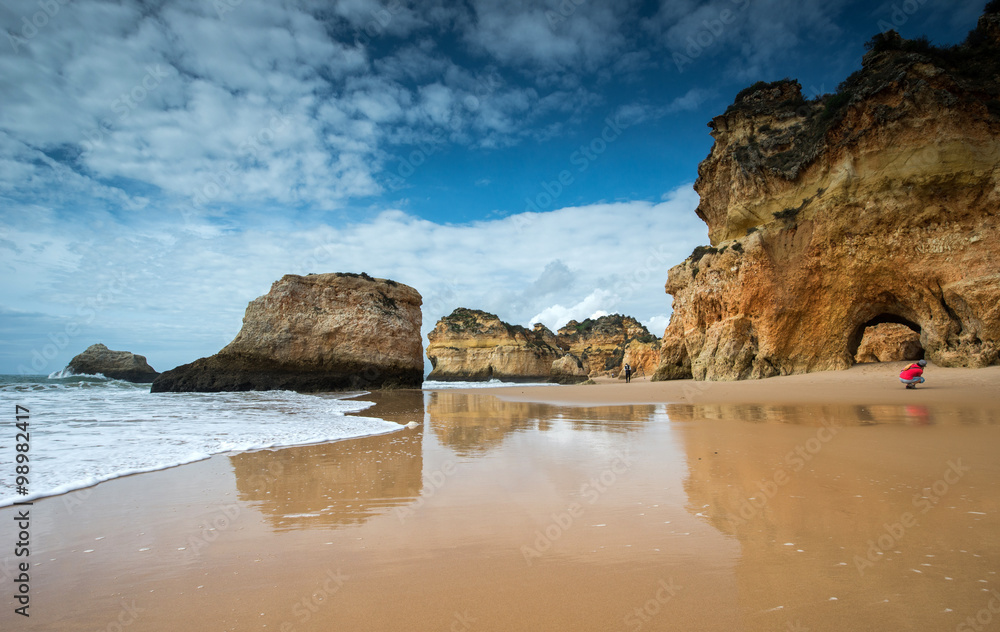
[
  {"x": 875, "y": 383},
  {"x": 835, "y": 501}
]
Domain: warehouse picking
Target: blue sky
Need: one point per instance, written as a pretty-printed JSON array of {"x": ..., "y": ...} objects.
[{"x": 162, "y": 163}]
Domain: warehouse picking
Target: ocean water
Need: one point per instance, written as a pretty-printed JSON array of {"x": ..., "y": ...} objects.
[
  {"x": 88, "y": 429},
  {"x": 433, "y": 385}
]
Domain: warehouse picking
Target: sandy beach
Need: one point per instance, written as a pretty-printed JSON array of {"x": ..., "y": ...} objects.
[
  {"x": 828, "y": 501},
  {"x": 863, "y": 384}
]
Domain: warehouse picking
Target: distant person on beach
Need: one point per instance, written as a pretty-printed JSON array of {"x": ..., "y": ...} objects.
[
  {"x": 913, "y": 374},
  {"x": 628, "y": 374}
]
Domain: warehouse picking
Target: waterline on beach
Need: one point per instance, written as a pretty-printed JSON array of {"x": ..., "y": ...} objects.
[
  {"x": 584, "y": 518},
  {"x": 86, "y": 429}
]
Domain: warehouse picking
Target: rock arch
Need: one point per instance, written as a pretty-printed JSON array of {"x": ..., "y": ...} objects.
[{"x": 883, "y": 317}]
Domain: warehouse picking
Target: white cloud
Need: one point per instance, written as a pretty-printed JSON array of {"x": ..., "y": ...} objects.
[
  {"x": 656, "y": 324},
  {"x": 594, "y": 305},
  {"x": 635, "y": 113},
  {"x": 763, "y": 31},
  {"x": 370, "y": 19},
  {"x": 549, "y": 35},
  {"x": 689, "y": 101},
  {"x": 177, "y": 103},
  {"x": 190, "y": 284}
]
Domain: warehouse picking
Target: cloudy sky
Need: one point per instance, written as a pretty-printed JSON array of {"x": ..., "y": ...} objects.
[{"x": 162, "y": 162}]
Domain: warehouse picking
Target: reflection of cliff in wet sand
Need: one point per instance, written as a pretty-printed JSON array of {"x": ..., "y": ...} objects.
[
  {"x": 473, "y": 429},
  {"x": 838, "y": 522},
  {"x": 471, "y": 424},
  {"x": 331, "y": 484},
  {"x": 780, "y": 524},
  {"x": 841, "y": 415},
  {"x": 401, "y": 406}
]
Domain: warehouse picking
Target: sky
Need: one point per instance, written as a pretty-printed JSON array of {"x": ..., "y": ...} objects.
[{"x": 162, "y": 163}]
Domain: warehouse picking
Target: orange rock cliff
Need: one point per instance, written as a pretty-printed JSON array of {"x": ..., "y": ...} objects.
[
  {"x": 475, "y": 345},
  {"x": 878, "y": 204}
]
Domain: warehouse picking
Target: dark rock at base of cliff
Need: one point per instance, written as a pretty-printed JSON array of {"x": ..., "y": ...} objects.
[{"x": 216, "y": 374}]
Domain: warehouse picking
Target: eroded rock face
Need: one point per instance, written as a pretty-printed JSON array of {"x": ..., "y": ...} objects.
[
  {"x": 601, "y": 343},
  {"x": 116, "y": 365},
  {"x": 889, "y": 342},
  {"x": 321, "y": 332},
  {"x": 474, "y": 345},
  {"x": 876, "y": 204},
  {"x": 642, "y": 356},
  {"x": 568, "y": 370}
]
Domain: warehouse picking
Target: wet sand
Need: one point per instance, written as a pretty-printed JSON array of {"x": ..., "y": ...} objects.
[
  {"x": 875, "y": 383},
  {"x": 518, "y": 515}
]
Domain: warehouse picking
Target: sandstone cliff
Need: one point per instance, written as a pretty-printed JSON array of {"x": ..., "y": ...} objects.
[
  {"x": 116, "y": 365},
  {"x": 320, "y": 332},
  {"x": 470, "y": 344},
  {"x": 876, "y": 204},
  {"x": 475, "y": 345},
  {"x": 889, "y": 342},
  {"x": 601, "y": 344},
  {"x": 643, "y": 355}
]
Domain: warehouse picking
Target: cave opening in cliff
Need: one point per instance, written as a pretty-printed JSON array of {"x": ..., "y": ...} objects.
[{"x": 886, "y": 338}]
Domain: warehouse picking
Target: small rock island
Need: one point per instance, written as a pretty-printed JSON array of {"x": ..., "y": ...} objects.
[{"x": 116, "y": 365}]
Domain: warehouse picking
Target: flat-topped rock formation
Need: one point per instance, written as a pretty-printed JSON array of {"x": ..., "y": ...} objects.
[
  {"x": 116, "y": 365},
  {"x": 474, "y": 345},
  {"x": 321, "y": 332},
  {"x": 878, "y": 204}
]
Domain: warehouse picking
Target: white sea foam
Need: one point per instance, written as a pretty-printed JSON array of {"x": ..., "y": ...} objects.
[
  {"x": 436, "y": 385},
  {"x": 85, "y": 430},
  {"x": 66, "y": 373}
]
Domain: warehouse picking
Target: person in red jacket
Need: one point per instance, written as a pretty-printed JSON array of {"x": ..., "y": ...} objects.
[{"x": 913, "y": 374}]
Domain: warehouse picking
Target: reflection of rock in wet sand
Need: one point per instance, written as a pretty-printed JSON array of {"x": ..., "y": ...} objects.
[
  {"x": 332, "y": 484},
  {"x": 398, "y": 405},
  {"x": 830, "y": 515},
  {"x": 473, "y": 424},
  {"x": 848, "y": 415}
]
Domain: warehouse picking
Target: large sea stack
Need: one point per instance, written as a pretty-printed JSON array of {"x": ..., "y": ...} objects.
[
  {"x": 321, "y": 332},
  {"x": 875, "y": 204},
  {"x": 470, "y": 344},
  {"x": 116, "y": 365}
]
